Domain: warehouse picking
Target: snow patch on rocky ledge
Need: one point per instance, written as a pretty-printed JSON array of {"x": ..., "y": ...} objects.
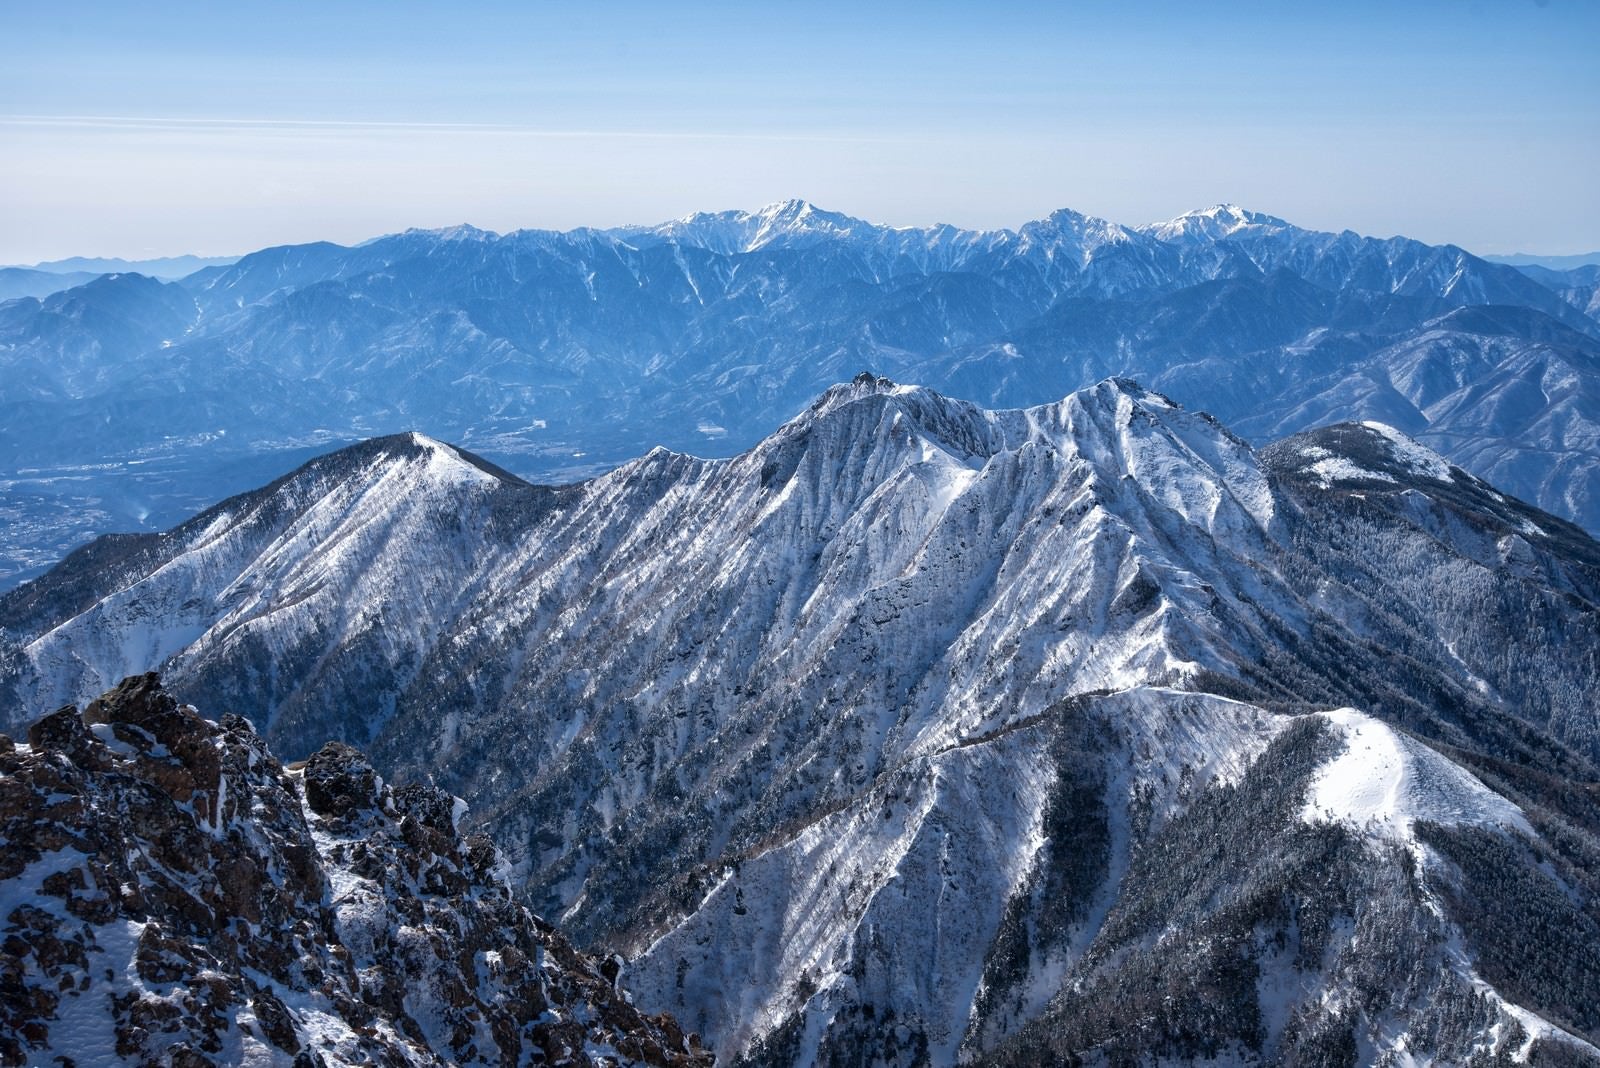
[{"x": 1330, "y": 468}]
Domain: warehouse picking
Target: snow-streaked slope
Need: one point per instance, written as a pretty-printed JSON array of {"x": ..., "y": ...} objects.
[
  {"x": 340, "y": 558},
  {"x": 940, "y": 846},
  {"x": 853, "y": 682},
  {"x": 1246, "y": 928}
]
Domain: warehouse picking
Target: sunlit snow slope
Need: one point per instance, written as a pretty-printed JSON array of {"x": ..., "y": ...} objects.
[{"x": 956, "y": 726}]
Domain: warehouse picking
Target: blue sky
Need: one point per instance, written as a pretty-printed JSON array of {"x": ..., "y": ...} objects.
[{"x": 184, "y": 127}]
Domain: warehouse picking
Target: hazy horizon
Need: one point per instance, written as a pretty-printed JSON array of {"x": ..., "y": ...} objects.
[{"x": 205, "y": 131}]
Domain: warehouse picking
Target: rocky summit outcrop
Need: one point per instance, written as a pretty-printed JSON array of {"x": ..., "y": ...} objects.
[{"x": 171, "y": 894}]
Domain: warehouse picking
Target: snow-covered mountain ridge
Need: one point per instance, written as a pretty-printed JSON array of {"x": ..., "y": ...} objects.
[
  {"x": 927, "y": 713},
  {"x": 561, "y": 355}
]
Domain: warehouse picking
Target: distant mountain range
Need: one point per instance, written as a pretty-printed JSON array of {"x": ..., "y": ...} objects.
[
  {"x": 42, "y": 279},
  {"x": 159, "y": 267},
  {"x": 136, "y": 402},
  {"x": 1553, "y": 263},
  {"x": 26, "y": 282},
  {"x": 924, "y": 733}
]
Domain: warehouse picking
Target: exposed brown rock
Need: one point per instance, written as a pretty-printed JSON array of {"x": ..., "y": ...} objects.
[
  {"x": 339, "y": 781},
  {"x": 172, "y": 884}
]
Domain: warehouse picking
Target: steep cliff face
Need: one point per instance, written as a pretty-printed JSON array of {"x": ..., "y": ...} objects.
[{"x": 170, "y": 893}]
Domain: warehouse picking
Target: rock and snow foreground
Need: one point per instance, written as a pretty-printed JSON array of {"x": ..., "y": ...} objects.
[
  {"x": 923, "y": 733},
  {"x": 171, "y": 894}
]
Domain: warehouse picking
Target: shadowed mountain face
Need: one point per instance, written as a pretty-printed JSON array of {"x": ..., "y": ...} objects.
[
  {"x": 984, "y": 731},
  {"x": 560, "y": 355}
]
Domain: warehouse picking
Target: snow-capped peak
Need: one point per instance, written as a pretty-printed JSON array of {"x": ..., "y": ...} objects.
[
  {"x": 1185, "y": 460},
  {"x": 1225, "y": 214},
  {"x": 459, "y": 232},
  {"x": 865, "y": 384},
  {"x": 790, "y": 218},
  {"x": 731, "y": 232},
  {"x": 792, "y": 209},
  {"x": 434, "y": 447},
  {"x": 1213, "y": 223},
  {"x": 1371, "y": 453},
  {"x": 1068, "y": 229}
]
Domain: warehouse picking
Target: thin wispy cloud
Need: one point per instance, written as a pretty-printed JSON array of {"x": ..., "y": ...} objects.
[
  {"x": 215, "y": 127},
  {"x": 174, "y": 122}
]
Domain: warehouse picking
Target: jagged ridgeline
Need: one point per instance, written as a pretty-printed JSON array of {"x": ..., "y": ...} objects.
[
  {"x": 561, "y": 355},
  {"x": 171, "y": 894},
  {"x": 922, "y": 733}
]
